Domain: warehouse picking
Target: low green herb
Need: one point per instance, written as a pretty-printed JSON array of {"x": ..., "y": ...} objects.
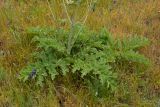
[{"x": 92, "y": 54}]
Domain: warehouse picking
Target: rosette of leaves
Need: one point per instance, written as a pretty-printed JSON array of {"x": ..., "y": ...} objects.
[{"x": 91, "y": 54}]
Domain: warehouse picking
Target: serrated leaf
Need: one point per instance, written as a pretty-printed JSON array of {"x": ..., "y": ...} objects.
[
  {"x": 62, "y": 63},
  {"x": 134, "y": 42},
  {"x": 135, "y": 57}
]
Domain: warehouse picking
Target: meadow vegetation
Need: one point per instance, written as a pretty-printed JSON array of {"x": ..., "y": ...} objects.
[{"x": 80, "y": 53}]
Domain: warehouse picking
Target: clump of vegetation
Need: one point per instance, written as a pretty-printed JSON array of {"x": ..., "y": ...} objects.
[
  {"x": 88, "y": 55},
  {"x": 2, "y": 74}
]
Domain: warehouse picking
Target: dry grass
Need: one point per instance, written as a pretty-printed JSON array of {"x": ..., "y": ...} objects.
[{"x": 121, "y": 17}]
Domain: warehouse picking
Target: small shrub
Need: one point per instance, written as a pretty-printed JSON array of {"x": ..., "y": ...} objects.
[{"x": 92, "y": 54}]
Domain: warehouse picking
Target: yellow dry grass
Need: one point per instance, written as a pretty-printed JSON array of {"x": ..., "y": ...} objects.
[{"x": 120, "y": 17}]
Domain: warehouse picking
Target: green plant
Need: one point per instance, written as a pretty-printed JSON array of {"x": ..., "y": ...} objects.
[
  {"x": 92, "y": 54},
  {"x": 2, "y": 74}
]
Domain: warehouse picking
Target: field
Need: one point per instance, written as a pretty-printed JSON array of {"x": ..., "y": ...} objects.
[{"x": 79, "y": 53}]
